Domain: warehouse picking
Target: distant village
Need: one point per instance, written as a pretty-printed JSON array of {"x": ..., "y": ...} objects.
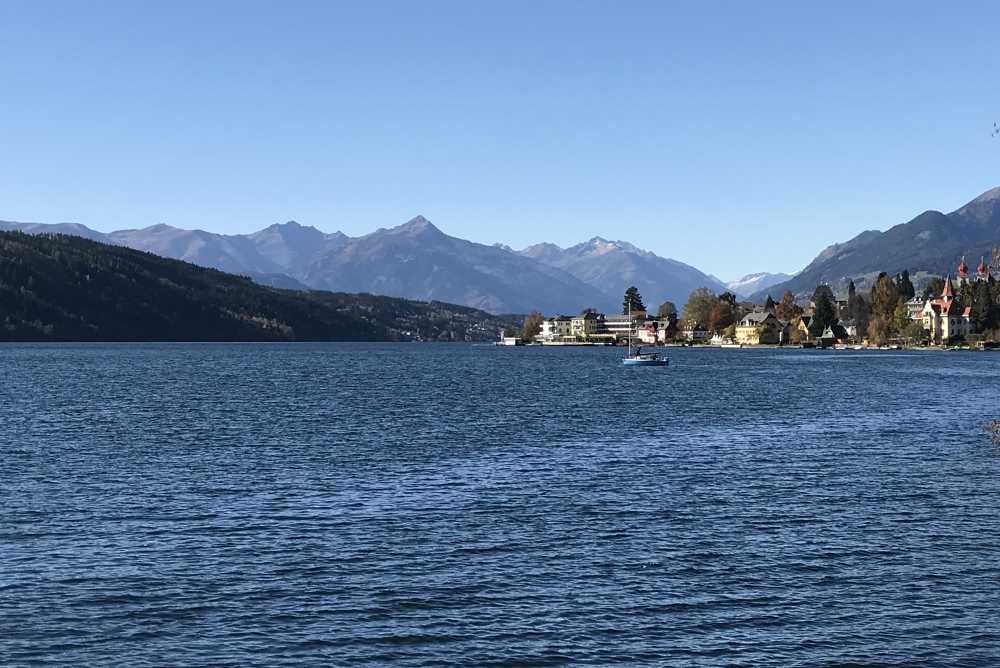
[{"x": 964, "y": 311}]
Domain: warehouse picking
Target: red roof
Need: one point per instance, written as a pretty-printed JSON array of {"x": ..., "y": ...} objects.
[
  {"x": 948, "y": 290},
  {"x": 963, "y": 269}
]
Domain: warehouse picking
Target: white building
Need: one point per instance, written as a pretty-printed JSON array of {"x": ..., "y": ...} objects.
[{"x": 558, "y": 328}]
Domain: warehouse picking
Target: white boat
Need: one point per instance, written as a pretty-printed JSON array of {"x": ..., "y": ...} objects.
[
  {"x": 640, "y": 358},
  {"x": 509, "y": 341}
]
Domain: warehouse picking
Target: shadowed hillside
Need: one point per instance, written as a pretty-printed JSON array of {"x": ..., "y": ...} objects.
[{"x": 67, "y": 288}]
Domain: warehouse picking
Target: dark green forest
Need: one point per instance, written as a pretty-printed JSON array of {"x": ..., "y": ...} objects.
[{"x": 66, "y": 288}]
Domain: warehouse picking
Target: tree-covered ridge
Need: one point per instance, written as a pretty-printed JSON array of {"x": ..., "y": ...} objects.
[{"x": 66, "y": 288}]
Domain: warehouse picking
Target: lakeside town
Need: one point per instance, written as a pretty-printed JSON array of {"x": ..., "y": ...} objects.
[{"x": 963, "y": 312}]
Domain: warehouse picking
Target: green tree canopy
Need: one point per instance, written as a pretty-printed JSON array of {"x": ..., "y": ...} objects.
[
  {"x": 666, "y": 310},
  {"x": 984, "y": 312},
  {"x": 884, "y": 298},
  {"x": 824, "y": 314},
  {"x": 904, "y": 286},
  {"x": 632, "y": 301},
  {"x": 699, "y": 306},
  {"x": 825, "y": 290},
  {"x": 914, "y": 331},
  {"x": 933, "y": 288}
]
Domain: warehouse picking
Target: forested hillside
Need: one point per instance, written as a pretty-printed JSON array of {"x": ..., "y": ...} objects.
[{"x": 67, "y": 288}]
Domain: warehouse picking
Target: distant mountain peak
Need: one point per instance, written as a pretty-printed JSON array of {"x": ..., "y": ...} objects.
[
  {"x": 418, "y": 225},
  {"x": 600, "y": 245},
  {"x": 751, "y": 283}
]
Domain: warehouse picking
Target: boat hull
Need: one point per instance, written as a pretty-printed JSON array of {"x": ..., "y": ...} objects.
[{"x": 634, "y": 362}]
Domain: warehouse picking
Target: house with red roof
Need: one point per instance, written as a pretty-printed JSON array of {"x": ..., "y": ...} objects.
[{"x": 945, "y": 318}]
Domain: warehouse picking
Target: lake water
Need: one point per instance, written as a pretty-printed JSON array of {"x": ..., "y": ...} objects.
[{"x": 451, "y": 505}]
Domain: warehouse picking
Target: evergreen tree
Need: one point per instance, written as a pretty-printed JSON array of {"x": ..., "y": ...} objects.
[
  {"x": 983, "y": 315},
  {"x": 825, "y": 290},
  {"x": 633, "y": 301},
  {"x": 860, "y": 312},
  {"x": 824, "y": 314},
  {"x": 666, "y": 310},
  {"x": 884, "y": 298},
  {"x": 933, "y": 288},
  {"x": 904, "y": 286}
]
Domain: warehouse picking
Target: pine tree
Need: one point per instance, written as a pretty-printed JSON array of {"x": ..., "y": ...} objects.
[
  {"x": 633, "y": 301},
  {"x": 666, "y": 310},
  {"x": 884, "y": 298},
  {"x": 904, "y": 286},
  {"x": 983, "y": 311},
  {"x": 823, "y": 315}
]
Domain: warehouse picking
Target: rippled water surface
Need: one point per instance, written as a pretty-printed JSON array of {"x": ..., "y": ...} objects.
[{"x": 436, "y": 505}]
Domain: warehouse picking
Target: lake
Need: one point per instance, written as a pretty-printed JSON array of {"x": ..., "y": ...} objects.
[{"x": 456, "y": 505}]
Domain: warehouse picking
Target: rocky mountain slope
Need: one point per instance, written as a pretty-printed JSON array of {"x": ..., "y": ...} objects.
[
  {"x": 611, "y": 266},
  {"x": 932, "y": 243}
]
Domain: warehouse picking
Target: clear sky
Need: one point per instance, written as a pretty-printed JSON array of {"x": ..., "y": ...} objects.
[{"x": 737, "y": 136}]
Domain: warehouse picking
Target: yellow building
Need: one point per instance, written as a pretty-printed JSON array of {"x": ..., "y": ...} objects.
[{"x": 758, "y": 327}]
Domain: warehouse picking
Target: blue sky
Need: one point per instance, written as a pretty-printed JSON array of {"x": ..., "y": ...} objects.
[{"x": 737, "y": 137}]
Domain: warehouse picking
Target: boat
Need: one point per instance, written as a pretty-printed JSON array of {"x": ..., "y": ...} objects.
[
  {"x": 509, "y": 341},
  {"x": 640, "y": 358},
  {"x": 646, "y": 359}
]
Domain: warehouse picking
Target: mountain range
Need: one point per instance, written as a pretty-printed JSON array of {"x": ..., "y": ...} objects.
[
  {"x": 68, "y": 288},
  {"x": 931, "y": 244},
  {"x": 751, "y": 283},
  {"x": 418, "y": 261}
]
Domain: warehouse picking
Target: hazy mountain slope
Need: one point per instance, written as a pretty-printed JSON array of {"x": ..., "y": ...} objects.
[
  {"x": 751, "y": 283},
  {"x": 66, "y": 288},
  {"x": 417, "y": 260},
  {"x": 932, "y": 242},
  {"x": 612, "y": 266},
  {"x": 74, "y": 229},
  {"x": 271, "y": 255}
]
